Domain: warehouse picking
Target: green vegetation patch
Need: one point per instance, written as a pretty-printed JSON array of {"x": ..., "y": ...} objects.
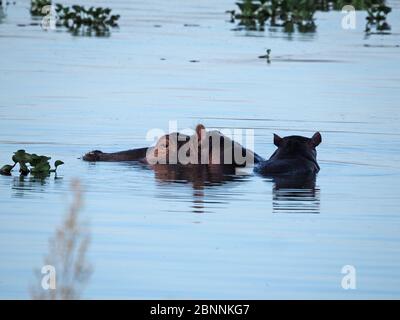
[
  {"x": 30, "y": 164},
  {"x": 292, "y": 14},
  {"x": 78, "y": 19}
]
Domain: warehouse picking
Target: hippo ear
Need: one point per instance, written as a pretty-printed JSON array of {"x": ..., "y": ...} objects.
[
  {"x": 167, "y": 140},
  {"x": 201, "y": 132},
  {"x": 316, "y": 139},
  {"x": 277, "y": 140}
]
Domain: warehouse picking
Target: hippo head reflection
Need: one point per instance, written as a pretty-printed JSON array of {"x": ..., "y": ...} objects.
[
  {"x": 200, "y": 177},
  {"x": 290, "y": 194},
  {"x": 295, "y": 194}
]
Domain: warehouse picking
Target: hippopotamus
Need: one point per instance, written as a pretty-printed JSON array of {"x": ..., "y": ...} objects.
[
  {"x": 296, "y": 156},
  {"x": 203, "y": 148}
]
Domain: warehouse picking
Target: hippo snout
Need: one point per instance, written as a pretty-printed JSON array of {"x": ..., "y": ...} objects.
[{"x": 93, "y": 156}]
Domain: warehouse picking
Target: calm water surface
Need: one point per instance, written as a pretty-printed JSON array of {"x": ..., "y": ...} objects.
[{"x": 160, "y": 236}]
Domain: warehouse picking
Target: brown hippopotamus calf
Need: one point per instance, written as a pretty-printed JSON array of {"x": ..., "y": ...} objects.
[
  {"x": 203, "y": 148},
  {"x": 295, "y": 155}
]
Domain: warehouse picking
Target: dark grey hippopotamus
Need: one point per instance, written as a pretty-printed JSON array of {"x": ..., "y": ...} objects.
[{"x": 296, "y": 155}]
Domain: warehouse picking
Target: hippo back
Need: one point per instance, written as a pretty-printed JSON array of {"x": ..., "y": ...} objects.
[{"x": 223, "y": 150}]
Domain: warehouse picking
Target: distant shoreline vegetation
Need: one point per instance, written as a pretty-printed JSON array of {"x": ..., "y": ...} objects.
[
  {"x": 78, "y": 19},
  {"x": 298, "y": 15}
]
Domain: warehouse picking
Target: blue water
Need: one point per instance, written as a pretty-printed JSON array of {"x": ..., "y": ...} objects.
[{"x": 155, "y": 238}]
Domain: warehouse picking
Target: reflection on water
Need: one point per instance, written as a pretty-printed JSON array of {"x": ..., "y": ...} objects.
[
  {"x": 65, "y": 96},
  {"x": 67, "y": 254},
  {"x": 2, "y": 14},
  {"x": 299, "y": 16},
  {"x": 24, "y": 185},
  {"x": 295, "y": 195},
  {"x": 199, "y": 177}
]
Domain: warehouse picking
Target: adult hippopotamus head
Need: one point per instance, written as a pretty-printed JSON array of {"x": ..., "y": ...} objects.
[
  {"x": 166, "y": 149},
  {"x": 296, "y": 155},
  {"x": 202, "y": 148}
]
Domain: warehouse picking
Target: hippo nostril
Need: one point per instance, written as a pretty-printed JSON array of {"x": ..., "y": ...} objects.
[{"x": 93, "y": 155}]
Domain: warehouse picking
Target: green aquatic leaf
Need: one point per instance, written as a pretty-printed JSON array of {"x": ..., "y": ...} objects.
[
  {"x": 21, "y": 156},
  {"x": 44, "y": 158},
  {"x": 40, "y": 163},
  {"x": 35, "y": 159},
  {"x": 41, "y": 167},
  {"x": 58, "y": 163},
  {"x": 41, "y": 175},
  {"x": 20, "y": 152},
  {"x": 77, "y": 8},
  {"x": 23, "y": 169},
  {"x": 6, "y": 170}
]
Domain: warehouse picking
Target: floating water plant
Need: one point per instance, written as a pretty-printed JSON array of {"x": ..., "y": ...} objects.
[
  {"x": 299, "y": 14},
  {"x": 78, "y": 19},
  {"x": 30, "y": 164},
  {"x": 37, "y": 6},
  {"x": 254, "y": 14},
  {"x": 377, "y": 12}
]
